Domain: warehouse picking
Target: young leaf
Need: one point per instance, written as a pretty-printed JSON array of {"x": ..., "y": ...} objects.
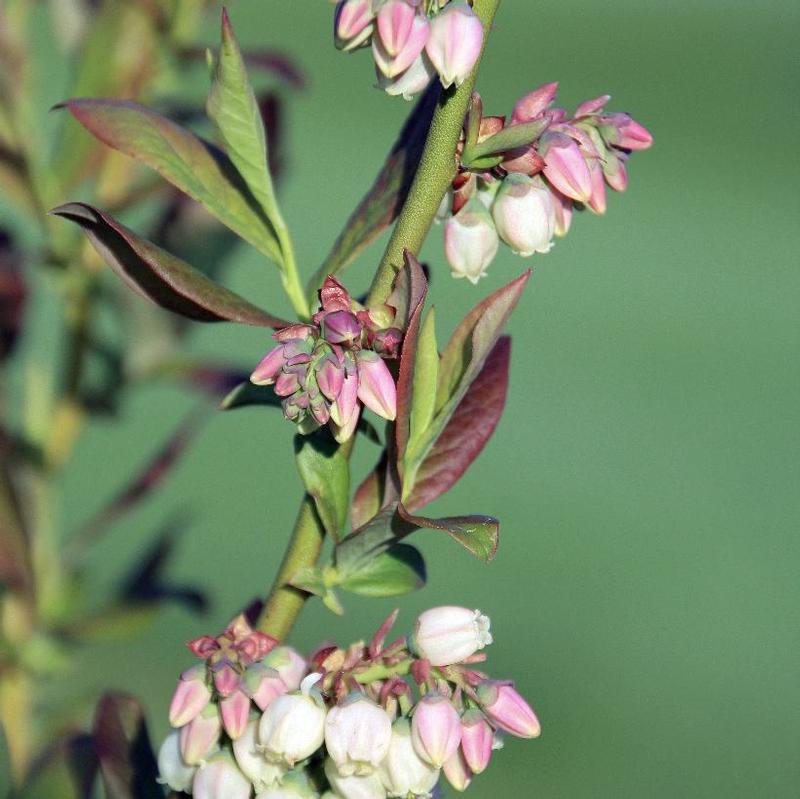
[
  {"x": 478, "y": 534},
  {"x": 382, "y": 203},
  {"x": 326, "y": 475},
  {"x": 468, "y": 430},
  {"x": 233, "y": 108},
  {"x": 193, "y": 165},
  {"x": 511, "y": 137},
  {"x": 399, "y": 570},
  {"x": 160, "y": 277},
  {"x": 127, "y": 762},
  {"x": 426, "y": 375},
  {"x": 372, "y": 539}
]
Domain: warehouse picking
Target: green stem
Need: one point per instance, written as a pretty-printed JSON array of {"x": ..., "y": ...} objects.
[
  {"x": 435, "y": 173},
  {"x": 291, "y": 276}
]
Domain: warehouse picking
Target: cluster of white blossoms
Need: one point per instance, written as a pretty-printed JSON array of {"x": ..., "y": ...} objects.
[{"x": 367, "y": 722}]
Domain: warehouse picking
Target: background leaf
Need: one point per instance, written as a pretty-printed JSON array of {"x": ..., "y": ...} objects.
[
  {"x": 193, "y": 165},
  {"x": 468, "y": 430},
  {"x": 161, "y": 277},
  {"x": 383, "y": 201},
  {"x": 399, "y": 570}
]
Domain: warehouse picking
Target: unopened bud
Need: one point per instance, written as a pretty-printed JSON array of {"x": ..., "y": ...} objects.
[
  {"x": 357, "y": 735},
  {"x": 403, "y": 771},
  {"x": 290, "y": 665},
  {"x": 455, "y": 43},
  {"x": 226, "y": 680},
  {"x": 235, "y": 711},
  {"x": 173, "y": 770},
  {"x": 401, "y": 37},
  {"x": 565, "y": 167},
  {"x": 263, "y": 684},
  {"x": 268, "y": 369},
  {"x": 477, "y": 738},
  {"x": 191, "y": 696},
  {"x": 470, "y": 241},
  {"x": 508, "y": 710},
  {"x": 620, "y": 130},
  {"x": 457, "y": 771},
  {"x": 411, "y": 82},
  {"x": 524, "y": 215},
  {"x": 341, "y": 327},
  {"x": 376, "y": 388},
  {"x": 220, "y": 778},
  {"x": 535, "y": 103},
  {"x": 435, "y": 729},
  {"x": 352, "y": 24},
  {"x": 200, "y": 737}
]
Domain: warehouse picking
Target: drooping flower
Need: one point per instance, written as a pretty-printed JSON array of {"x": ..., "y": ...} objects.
[
  {"x": 357, "y": 735},
  {"x": 173, "y": 770},
  {"x": 450, "y": 634},
  {"x": 435, "y": 729},
  {"x": 403, "y": 771},
  {"x": 525, "y": 215},
  {"x": 455, "y": 42},
  {"x": 470, "y": 241},
  {"x": 506, "y": 709}
]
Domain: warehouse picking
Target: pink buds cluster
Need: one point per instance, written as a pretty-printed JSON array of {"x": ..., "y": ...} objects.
[
  {"x": 525, "y": 195},
  {"x": 370, "y": 721},
  {"x": 412, "y": 41},
  {"x": 326, "y": 370}
]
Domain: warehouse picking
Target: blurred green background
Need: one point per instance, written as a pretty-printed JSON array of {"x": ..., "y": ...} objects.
[{"x": 645, "y": 594}]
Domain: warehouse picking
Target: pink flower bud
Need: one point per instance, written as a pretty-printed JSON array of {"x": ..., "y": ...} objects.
[
  {"x": 524, "y": 215},
  {"x": 267, "y": 370},
  {"x": 235, "y": 710},
  {"x": 173, "y": 770},
  {"x": 354, "y": 786},
  {"x": 435, "y": 729},
  {"x": 226, "y": 680},
  {"x": 477, "y": 738},
  {"x": 457, "y": 771},
  {"x": 411, "y": 82},
  {"x": 376, "y": 388},
  {"x": 200, "y": 737},
  {"x": 252, "y": 762},
  {"x": 508, "y": 710},
  {"x": 404, "y": 772},
  {"x": 615, "y": 171},
  {"x": 626, "y": 133},
  {"x": 330, "y": 376},
  {"x": 565, "y": 167},
  {"x": 341, "y": 327},
  {"x": 344, "y": 432},
  {"x": 562, "y": 207},
  {"x": 535, "y": 103},
  {"x": 455, "y": 43},
  {"x": 450, "y": 634},
  {"x": 191, "y": 696},
  {"x": 290, "y": 665},
  {"x": 263, "y": 684},
  {"x": 402, "y": 34},
  {"x": 387, "y": 342},
  {"x": 594, "y": 106},
  {"x": 343, "y": 408},
  {"x": 220, "y": 778},
  {"x": 293, "y": 726},
  {"x": 470, "y": 241},
  {"x": 357, "y": 735},
  {"x": 352, "y": 24}
]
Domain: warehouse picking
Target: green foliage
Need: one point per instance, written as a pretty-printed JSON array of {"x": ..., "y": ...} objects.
[{"x": 399, "y": 570}]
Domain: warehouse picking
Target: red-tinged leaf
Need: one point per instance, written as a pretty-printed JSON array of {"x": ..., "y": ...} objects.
[
  {"x": 408, "y": 291},
  {"x": 408, "y": 358},
  {"x": 185, "y": 160},
  {"x": 15, "y": 566},
  {"x": 144, "y": 483},
  {"x": 478, "y": 534},
  {"x": 127, "y": 763},
  {"x": 382, "y": 203},
  {"x": 469, "y": 429},
  {"x": 13, "y": 291},
  {"x": 161, "y": 277}
]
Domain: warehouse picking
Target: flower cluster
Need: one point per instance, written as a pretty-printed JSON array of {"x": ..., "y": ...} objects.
[
  {"x": 325, "y": 369},
  {"x": 525, "y": 195},
  {"x": 412, "y": 40},
  {"x": 367, "y": 722}
]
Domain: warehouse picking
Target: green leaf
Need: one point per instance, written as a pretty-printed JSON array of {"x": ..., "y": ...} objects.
[
  {"x": 127, "y": 762},
  {"x": 480, "y": 535},
  {"x": 426, "y": 375},
  {"x": 382, "y": 203},
  {"x": 319, "y": 582},
  {"x": 161, "y": 277},
  {"x": 185, "y": 160},
  {"x": 372, "y": 539},
  {"x": 399, "y": 570},
  {"x": 326, "y": 475},
  {"x": 233, "y": 108},
  {"x": 511, "y": 137}
]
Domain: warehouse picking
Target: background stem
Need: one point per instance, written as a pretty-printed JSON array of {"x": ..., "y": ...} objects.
[{"x": 434, "y": 175}]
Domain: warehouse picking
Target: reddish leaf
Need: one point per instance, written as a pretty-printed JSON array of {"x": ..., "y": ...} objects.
[
  {"x": 467, "y": 432},
  {"x": 15, "y": 567},
  {"x": 161, "y": 277},
  {"x": 383, "y": 201},
  {"x": 127, "y": 763},
  {"x": 13, "y": 292}
]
